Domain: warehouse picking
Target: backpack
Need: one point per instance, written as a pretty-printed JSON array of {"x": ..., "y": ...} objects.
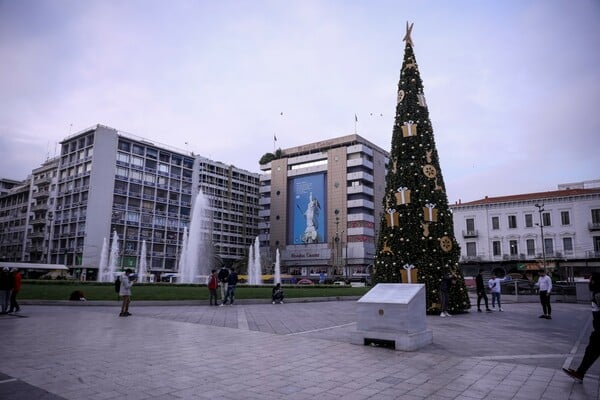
[{"x": 118, "y": 284}]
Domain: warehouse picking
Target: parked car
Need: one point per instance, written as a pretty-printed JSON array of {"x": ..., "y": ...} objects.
[{"x": 305, "y": 282}]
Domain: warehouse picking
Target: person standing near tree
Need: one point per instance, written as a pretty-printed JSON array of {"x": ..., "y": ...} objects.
[
  {"x": 16, "y": 287},
  {"x": 223, "y": 276},
  {"x": 545, "y": 284},
  {"x": 481, "y": 292},
  {"x": 444, "y": 289},
  {"x": 592, "y": 351}
]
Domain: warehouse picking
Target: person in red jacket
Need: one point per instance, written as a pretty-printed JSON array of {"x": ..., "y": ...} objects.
[
  {"x": 16, "y": 287},
  {"x": 213, "y": 284}
]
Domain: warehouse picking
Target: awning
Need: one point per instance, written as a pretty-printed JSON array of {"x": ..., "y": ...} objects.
[{"x": 32, "y": 266}]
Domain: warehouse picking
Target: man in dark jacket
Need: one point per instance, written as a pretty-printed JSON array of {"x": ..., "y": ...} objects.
[
  {"x": 232, "y": 282},
  {"x": 6, "y": 285},
  {"x": 481, "y": 292}
]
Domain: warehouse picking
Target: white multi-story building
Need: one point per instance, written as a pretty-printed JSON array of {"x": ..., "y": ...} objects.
[
  {"x": 506, "y": 232},
  {"x": 104, "y": 181},
  {"x": 321, "y": 206}
]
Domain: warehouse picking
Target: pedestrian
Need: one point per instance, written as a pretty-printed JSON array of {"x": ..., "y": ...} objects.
[
  {"x": 232, "y": 281},
  {"x": 592, "y": 351},
  {"x": 125, "y": 292},
  {"x": 213, "y": 283},
  {"x": 16, "y": 287},
  {"x": 5, "y": 288},
  {"x": 545, "y": 284},
  {"x": 481, "y": 294},
  {"x": 444, "y": 289},
  {"x": 494, "y": 285},
  {"x": 223, "y": 275},
  {"x": 277, "y": 294}
]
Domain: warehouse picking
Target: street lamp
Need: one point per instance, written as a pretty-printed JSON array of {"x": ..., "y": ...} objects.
[{"x": 540, "y": 208}]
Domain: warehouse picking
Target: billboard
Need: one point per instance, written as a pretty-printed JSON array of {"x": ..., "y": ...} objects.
[{"x": 306, "y": 209}]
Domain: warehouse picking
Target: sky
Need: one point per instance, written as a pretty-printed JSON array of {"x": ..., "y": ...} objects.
[{"x": 513, "y": 87}]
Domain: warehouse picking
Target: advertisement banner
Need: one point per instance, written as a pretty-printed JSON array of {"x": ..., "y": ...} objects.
[{"x": 307, "y": 209}]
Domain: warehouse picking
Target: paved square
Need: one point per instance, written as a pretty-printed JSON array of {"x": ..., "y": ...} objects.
[{"x": 290, "y": 351}]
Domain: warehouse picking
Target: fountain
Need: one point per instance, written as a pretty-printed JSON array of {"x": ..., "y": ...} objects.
[
  {"x": 277, "y": 272},
  {"x": 113, "y": 258},
  {"x": 196, "y": 260},
  {"x": 143, "y": 270},
  {"x": 183, "y": 255},
  {"x": 103, "y": 267},
  {"x": 254, "y": 267}
]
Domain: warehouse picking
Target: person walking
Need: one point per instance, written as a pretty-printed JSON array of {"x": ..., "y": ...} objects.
[
  {"x": 223, "y": 275},
  {"x": 481, "y": 292},
  {"x": 213, "y": 283},
  {"x": 5, "y": 288},
  {"x": 232, "y": 281},
  {"x": 545, "y": 284},
  {"x": 494, "y": 285},
  {"x": 444, "y": 289},
  {"x": 592, "y": 351},
  {"x": 125, "y": 292},
  {"x": 16, "y": 287}
]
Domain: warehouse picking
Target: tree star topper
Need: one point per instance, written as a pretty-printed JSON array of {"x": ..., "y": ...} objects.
[{"x": 407, "y": 37}]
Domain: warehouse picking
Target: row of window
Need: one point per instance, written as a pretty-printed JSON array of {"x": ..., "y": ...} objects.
[
  {"x": 77, "y": 144},
  {"x": 155, "y": 154},
  {"x": 530, "y": 247}
]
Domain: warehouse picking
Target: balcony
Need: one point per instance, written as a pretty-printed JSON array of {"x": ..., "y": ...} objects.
[
  {"x": 594, "y": 226},
  {"x": 470, "y": 234},
  {"x": 41, "y": 194}
]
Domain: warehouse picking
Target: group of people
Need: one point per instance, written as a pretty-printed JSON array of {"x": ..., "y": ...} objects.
[
  {"x": 227, "y": 280},
  {"x": 10, "y": 285},
  {"x": 544, "y": 284}
]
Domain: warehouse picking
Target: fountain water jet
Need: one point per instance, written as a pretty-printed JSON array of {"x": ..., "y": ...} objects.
[
  {"x": 143, "y": 271},
  {"x": 277, "y": 272},
  {"x": 103, "y": 274},
  {"x": 113, "y": 258},
  {"x": 254, "y": 267},
  {"x": 196, "y": 260}
]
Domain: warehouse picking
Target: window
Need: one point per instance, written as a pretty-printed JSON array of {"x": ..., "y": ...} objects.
[
  {"x": 530, "y": 247},
  {"x": 528, "y": 220},
  {"x": 122, "y": 172},
  {"x": 597, "y": 244},
  {"x": 496, "y": 248},
  {"x": 548, "y": 247},
  {"x": 546, "y": 220},
  {"x": 470, "y": 225},
  {"x": 137, "y": 161},
  {"x": 125, "y": 146},
  {"x": 565, "y": 219},
  {"x": 514, "y": 248},
  {"x": 568, "y": 245},
  {"x": 122, "y": 157},
  {"x": 471, "y": 249},
  {"x": 495, "y": 223},
  {"x": 512, "y": 221},
  {"x": 596, "y": 216}
]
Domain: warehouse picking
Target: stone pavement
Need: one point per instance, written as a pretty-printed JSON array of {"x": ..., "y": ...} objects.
[{"x": 290, "y": 351}]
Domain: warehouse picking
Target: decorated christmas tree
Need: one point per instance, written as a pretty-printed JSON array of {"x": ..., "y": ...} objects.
[{"x": 417, "y": 233}]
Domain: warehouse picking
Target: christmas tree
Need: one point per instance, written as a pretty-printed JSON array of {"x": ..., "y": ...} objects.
[{"x": 417, "y": 232}]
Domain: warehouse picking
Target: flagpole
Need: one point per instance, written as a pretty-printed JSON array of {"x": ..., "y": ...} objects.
[{"x": 355, "y": 123}]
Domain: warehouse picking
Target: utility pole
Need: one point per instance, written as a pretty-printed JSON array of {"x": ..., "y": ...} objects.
[{"x": 540, "y": 208}]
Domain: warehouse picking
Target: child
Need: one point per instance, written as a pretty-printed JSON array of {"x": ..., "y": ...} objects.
[
  {"x": 212, "y": 287},
  {"x": 277, "y": 294}
]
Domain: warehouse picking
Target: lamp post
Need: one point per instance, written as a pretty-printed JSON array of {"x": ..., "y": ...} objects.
[{"x": 540, "y": 208}]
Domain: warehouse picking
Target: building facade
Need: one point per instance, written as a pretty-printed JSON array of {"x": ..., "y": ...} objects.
[
  {"x": 517, "y": 233},
  {"x": 107, "y": 181},
  {"x": 321, "y": 206}
]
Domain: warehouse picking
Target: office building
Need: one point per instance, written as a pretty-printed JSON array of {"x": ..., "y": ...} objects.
[
  {"x": 321, "y": 204},
  {"x": 107, "y": 181}
]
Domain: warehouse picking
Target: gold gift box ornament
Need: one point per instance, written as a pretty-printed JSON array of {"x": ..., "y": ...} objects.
[
  {"x": 409, "y": 129},
  {"x": 391, "y": 217},
  {"x": 430, "y": 213},
  {"x": 402, "y": 196}
]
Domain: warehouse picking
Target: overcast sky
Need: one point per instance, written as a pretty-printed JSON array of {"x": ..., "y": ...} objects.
[{"x": 513, "y": 87}]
